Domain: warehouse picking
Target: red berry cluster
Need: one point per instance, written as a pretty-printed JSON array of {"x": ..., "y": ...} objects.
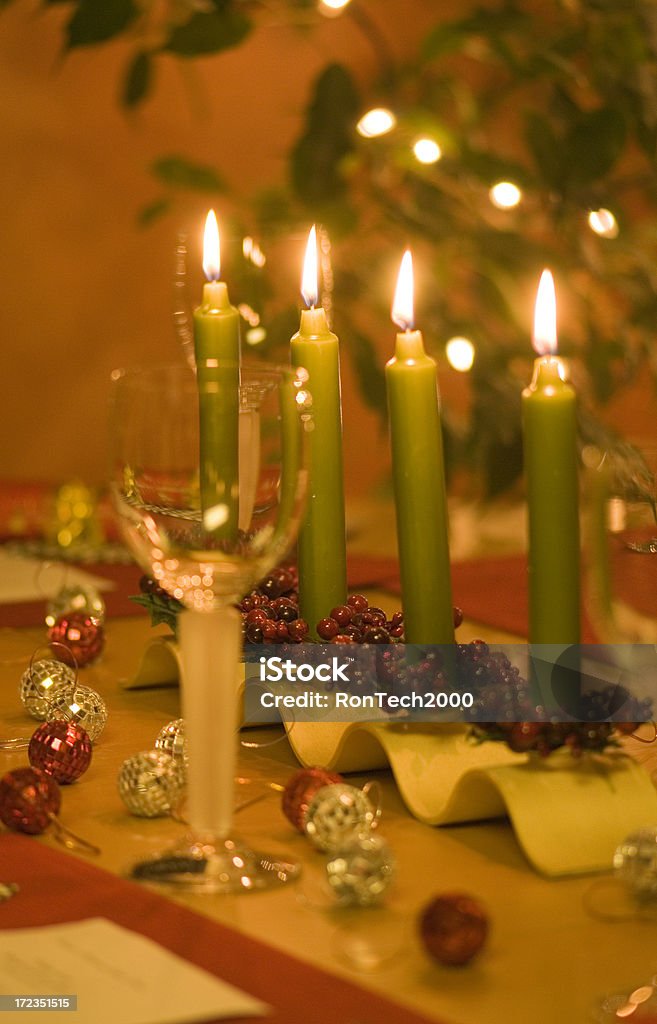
[
  {"x": 270, "y": 613},
  {"x": 357, "y": 622},
  {"x": 544, "y": 737}
]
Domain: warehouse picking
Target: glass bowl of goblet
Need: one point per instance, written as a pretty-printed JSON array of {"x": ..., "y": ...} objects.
[{"x": 208, "y": 478}]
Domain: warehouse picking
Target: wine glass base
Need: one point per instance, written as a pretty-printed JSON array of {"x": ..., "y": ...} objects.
[{"x": 211, "y": 865}]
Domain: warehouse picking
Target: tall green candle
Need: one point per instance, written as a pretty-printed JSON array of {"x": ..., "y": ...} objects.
[
  {"x": 550, "y": 455},
  {"x": 217, "y": 352},
  {"x": 418, "y": 477},
  {"x": 322, "y": 553}
]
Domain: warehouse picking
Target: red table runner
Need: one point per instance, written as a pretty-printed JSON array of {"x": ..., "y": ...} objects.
[
  {"x": 492, "y": 591},
  {"x": 56, "y": 887}
]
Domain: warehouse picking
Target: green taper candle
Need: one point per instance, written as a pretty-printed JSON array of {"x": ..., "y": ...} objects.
[
  {"x": 217, "y": 352},
  {"x": 418, "y": 478},
  {"x": 550, "y": 454},
  {"x": 322, "y": 553}
]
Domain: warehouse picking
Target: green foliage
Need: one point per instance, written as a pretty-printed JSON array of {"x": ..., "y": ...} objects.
[
  {"x": 93, "y": 22},
  {"x": 137, "y": 80},
  {"x": 177, "y": 172},
  {"x": 316, "y": 161},
  {"x": 559, "y": 98},
  {"x": 161, "y": 609},
  {"x": 208, "y": 32}
]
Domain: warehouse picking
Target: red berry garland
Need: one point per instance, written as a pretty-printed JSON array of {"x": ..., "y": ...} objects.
[
  {"x": 503, "y": 708},
  {"x": 270, "y": 614}
]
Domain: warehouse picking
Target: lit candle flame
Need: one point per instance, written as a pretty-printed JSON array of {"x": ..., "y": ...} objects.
[
  {"x": 211, "y": 248},
  {"x": 402, "y": 304},
  {"x": 309, "y": 285},
  {"x": 545, "y": 316}
]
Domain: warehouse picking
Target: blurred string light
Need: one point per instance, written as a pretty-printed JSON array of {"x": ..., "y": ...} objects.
[
  {"x": 505, "y": 195},
  {"x": 252, "y": 251},
  {"x": 330, "y": 8},
  {"x": 460, "y": 353},
  {"x": 377, "y": 121},
  {"x": 255, "y": 335},
  {"x": 603, "y": 222},
  {"x": 427, "y": 151}
]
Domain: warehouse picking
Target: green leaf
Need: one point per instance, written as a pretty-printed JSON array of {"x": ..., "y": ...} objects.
[
  {"x": 95, "y": 22},
  {"x": 317, "y": 175},
  {"x": 546, "y": 149},
  {"x": 177, "y": 172},
  {"x": 152, "y": 211},
  {"x": 451, "y": 36},
  {"x": 208, "y": 32},
  {"x": 335, "y": 101},
  {"x": 137, "y": 81},
  {"x": 593, "y": 144},
  {"x": 160, "y": 609},
  {"x": 444, "y": 39},
  {"x": 488, "y": 167}
]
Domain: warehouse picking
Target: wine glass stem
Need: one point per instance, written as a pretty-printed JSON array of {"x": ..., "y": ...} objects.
[{"x": 210, "y": 647}]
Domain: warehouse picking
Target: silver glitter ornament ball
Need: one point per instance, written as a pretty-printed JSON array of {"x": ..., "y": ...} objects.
[
  {"x": 635, "y": 861},
  {"x": 361, "y": 871},
  {"x": 336, "y": 814},
  {"x": 150, "y": 783},
  {"x": 86, "y": 600},
  {"x": 171, "y": 739},
  {"x": 42, "y": 683},
  {"x": 83, "y": 706}
]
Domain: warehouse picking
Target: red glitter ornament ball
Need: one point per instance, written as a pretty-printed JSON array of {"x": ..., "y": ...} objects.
[
  {"x": 83, "y": 636},
  {"x": 299, "y": 791},
  {"x": 453, "y": 928},
  {"x": 61, "y": 750},
  {"x": 28, "y": 800}
]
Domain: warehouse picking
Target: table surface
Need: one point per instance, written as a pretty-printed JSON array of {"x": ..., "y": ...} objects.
[{"x": 548, "y": 959}]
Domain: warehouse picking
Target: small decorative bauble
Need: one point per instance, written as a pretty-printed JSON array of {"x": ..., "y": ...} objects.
[
  {"x": 453, "y": 928},
  {"x": 361, "y": 871},
  {"x": 635, "y": 861},
  {"x": 300, "y": 789},
  {"x": 42, "y": 683},
  {"x": 61, "y": 750},
  {"x": 29, "y": 799},
  {"x": 83, "y": 706},
  {"x": 171, "y": 739},
  {"x": 81, "y": 634},
  {"x": 336, "y": 814},
  {"x": 150, "y": 783},
  {"x": 82, "y": 600}
]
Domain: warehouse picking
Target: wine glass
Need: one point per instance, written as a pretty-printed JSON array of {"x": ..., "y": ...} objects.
[
  {"x": 620, "y": 549},
  {"x": 620, "y": 541},
  {"x": 208, "y": 477}
]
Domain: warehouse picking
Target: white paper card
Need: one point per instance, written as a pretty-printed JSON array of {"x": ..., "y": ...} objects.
[
  {"x": 117, "y": 976},
  {"x": 29, "y": 579}
]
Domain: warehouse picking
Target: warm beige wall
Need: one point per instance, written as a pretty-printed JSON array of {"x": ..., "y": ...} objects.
[{"x": 83, "y": 289}]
